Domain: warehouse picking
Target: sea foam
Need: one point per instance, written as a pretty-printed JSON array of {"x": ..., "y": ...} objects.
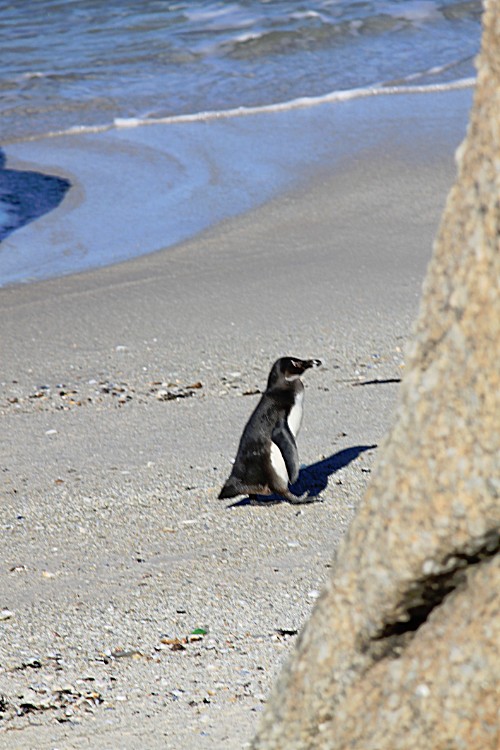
[{"x": 303, "y": 102}]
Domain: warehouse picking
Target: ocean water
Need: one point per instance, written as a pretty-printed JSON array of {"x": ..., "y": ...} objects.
[
  {"x": 84, "y": 68},
  {"x": 69, "y": 63}
]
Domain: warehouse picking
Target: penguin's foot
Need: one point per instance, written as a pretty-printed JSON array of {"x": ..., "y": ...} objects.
[{"x": 299, "y": 499}]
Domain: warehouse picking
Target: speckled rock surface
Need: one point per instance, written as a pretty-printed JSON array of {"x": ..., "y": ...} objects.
[{"x": 404, "y": 645}]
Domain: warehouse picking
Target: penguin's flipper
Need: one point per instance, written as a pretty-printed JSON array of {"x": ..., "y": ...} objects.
[{"x": 282, "y": 436}]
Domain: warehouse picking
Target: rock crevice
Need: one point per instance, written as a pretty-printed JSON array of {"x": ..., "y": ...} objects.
[{"x": 428, "y": 593}]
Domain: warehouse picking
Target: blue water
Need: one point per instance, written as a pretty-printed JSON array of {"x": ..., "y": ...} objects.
[
  {"x": 148, "y": 121},
  {"x": 68, "y": 63}
]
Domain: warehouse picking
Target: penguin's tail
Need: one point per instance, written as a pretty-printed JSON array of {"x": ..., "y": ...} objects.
[{"x": 232, "y": 488}]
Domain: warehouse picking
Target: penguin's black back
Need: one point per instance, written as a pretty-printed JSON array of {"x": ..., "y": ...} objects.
[{"x": 252, "y": 463}]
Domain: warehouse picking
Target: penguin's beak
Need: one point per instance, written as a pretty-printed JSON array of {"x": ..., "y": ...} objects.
[
  {"x": 311, "y": 363},
  {"x": 305, "y": 364}
]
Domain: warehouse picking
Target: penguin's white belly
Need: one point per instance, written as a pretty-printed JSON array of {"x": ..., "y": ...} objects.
[
  {"x": 295, "y": 415},
  {"x": 278, "y": 463}
]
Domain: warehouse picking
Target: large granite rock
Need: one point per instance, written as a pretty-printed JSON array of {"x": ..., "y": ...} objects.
[{"x": 403, "y": 648}]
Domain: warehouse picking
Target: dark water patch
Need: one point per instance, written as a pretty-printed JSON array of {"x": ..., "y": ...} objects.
[{"x": 25, "y": 196}]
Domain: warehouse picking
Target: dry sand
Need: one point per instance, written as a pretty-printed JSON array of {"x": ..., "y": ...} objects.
[{"x": 114, "y": 544}]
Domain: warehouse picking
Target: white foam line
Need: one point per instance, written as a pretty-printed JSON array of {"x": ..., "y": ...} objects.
[{"x": 300, "y": 103}]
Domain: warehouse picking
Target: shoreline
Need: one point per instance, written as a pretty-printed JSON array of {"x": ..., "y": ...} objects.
[
  {"x": 115, "y": 545},
  {"x": 153, "y": 187}
]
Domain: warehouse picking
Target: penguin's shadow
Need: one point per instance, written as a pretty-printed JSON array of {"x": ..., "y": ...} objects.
[
  {"x": 25, "y": 196},
  {"x": 312, "y": 479}
]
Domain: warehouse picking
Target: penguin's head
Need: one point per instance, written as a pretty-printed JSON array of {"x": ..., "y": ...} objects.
[{"x": 290, "y": 369}]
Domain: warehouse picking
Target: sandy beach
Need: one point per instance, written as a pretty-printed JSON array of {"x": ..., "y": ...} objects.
[{"x": 124, "y": 393}]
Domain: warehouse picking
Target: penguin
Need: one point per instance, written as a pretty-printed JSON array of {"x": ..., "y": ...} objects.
[{"x": 267, "y": 460}]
